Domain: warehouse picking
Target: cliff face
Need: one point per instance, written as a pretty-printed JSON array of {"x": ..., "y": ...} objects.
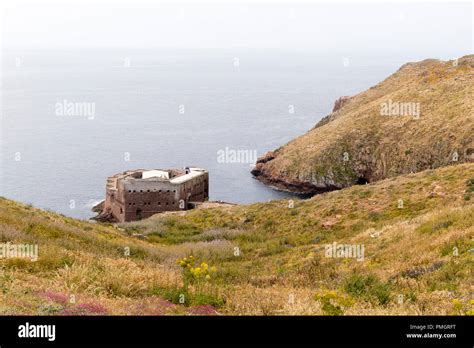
[{"x": 421, "y": 117}]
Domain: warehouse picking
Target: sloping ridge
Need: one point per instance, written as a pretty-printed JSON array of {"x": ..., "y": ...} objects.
[
  {"x": 421, "y": 117},
  {"x": 408, "y": 250}
]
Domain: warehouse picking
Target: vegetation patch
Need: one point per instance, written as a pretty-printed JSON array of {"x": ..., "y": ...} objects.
[
  {"x": 333, "y": 302},
  {"x": 368, "y": 287}
]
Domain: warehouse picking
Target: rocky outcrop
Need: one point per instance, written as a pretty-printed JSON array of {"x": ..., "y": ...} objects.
[
  {"x": 419, "y": 118},
  {"x": 261, "y": 172},
  {"x": 103, "y": 214},
  {"x": 99, "y": 207},
  {"x": 260, "y": 161},
  {"x": 340, "y": 102}
]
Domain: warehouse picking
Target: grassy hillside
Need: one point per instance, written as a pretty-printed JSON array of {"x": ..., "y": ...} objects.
[
  {"x": 266, "y": 258},
  {"x": 362, "y": 141}
]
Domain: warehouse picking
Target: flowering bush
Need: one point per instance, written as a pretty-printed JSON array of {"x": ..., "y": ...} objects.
[
  {"x": 198, "y": 285},
  {"x": 195, "y": 272},
  {"x": 55, "y": 297},
  {"x": 333, "y": 302}
]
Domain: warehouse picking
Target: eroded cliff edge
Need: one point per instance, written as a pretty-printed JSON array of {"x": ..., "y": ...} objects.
[{"x": 421, "y": 117}]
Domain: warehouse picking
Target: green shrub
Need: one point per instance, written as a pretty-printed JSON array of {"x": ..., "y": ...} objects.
[
  {"x": 369, "y": 288},
  {"x": 470, "y": 185},
  {"x": 185, "y": 297},
  {"x": 177, "y": 296},
  {"x": 374, "y": 216},
  {"x": 435, "y": 226}
]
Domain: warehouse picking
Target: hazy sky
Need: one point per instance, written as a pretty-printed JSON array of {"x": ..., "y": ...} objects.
[{"x": 336, "y": 26}]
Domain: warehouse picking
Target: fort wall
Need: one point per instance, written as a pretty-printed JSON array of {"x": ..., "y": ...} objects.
[{"x": 130, "y": 198}]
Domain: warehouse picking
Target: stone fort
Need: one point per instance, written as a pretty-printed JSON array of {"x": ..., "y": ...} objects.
[{"x": 138, "y": 194}]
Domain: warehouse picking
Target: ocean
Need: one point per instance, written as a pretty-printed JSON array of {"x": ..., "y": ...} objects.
[{"x": 71, "y": 118}]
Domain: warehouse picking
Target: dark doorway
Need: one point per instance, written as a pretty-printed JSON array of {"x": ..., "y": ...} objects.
[
  {"x": 362, "y": 181},
  {"x": 139, "y": 214}
]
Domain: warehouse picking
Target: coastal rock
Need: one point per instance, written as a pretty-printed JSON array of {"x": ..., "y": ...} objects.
[
  {"x": 99, "y": 207},
  {"x": 267, "y": 157},
  {"x": 105, "y": 216},
  {"x": 340, "y": 102},
  {"x": 270, "y": 155}
]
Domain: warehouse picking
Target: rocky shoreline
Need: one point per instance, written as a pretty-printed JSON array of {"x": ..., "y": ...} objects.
[
  {"x": 279, "y": 182},
  {"x": 103, "y": 215},
  {"x": 303, "y": 188}
]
